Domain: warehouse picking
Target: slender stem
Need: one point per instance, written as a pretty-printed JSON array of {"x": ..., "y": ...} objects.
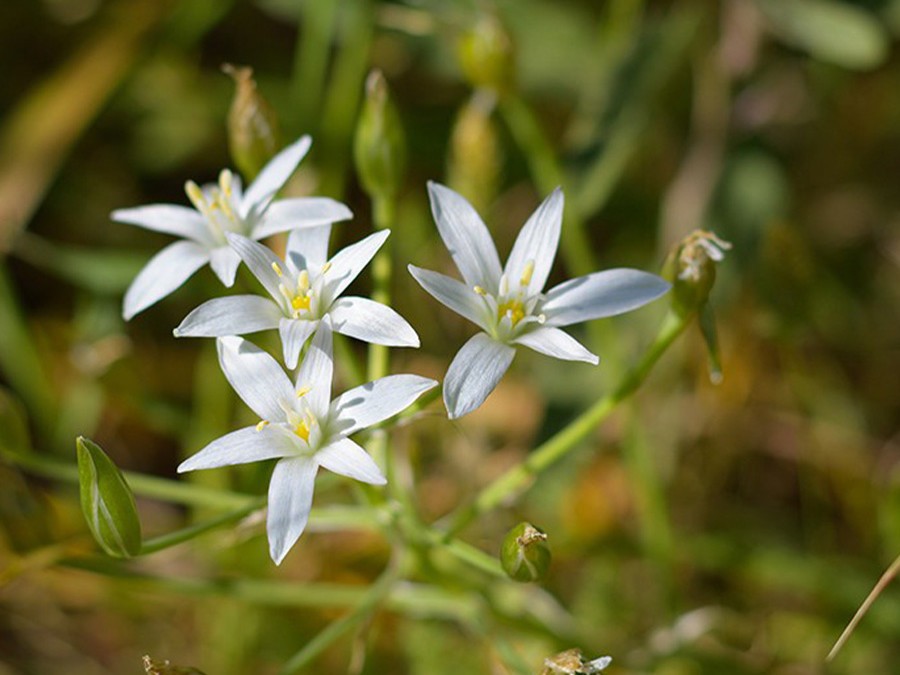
[
  {"x": 885, "y": 579},
  {"x": 519, "y": 478},
  {"x": 317, "y": 26},
  {"x": 170, "y": 539}
]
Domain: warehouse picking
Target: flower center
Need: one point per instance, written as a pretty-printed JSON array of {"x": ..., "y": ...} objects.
[
  {"x": 299, "y": 295},
  {"x": 510, "y": 310},
  {"x": 513, "y": 309},
  {"x": 302, "y": 430},
  {"x": 217, "y": 205}
]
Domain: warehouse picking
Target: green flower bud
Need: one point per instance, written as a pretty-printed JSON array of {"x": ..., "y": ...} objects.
[
  {"x": 525, "y": 555},
  {"x": 379, "y": 148},
  {"x": 107, "y": 502},
  {"x": 691, "y": 267},
  {"x": 253, "y": 133},
  {"x": 475, "y": 152},
  {"x": 487, "y": 55}
]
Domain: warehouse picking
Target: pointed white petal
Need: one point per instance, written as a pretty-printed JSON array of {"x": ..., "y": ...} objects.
[
  {"x": 259, "y": 260},
  {"x": 165, "y": 272},
  {"x": 308, "y": 247},
  {"x": 273, "y": 176},
  {"x": 372, "y": 322},
  {"x": 290, "y": 500},
  {"x": 241, "y": 447},
  {"x": 558, "y": 344},
  {"x": 475, "y": 371},
  {"x": 537, "y": 242},
  {"x": 255, "y": 376},
  {"x": 601, "y": 294},
  {"x": 349, "y": 459},
  {"x": 349, "y": 262},
  {"x": 453, "y": 294},
  {"x": 317, "y": 370},
  {"x": 374, "y": 402},
  {"x": 466, "y": 237},
  {"x": 224, "y": 262},
  {"x": 300, "y": 213},
  {"x": 169, "y": 218},
  {"x": 294, "y": 333},
  {"x": 233, "y": 315}
]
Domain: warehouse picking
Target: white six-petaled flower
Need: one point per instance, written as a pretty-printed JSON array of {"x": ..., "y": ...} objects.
[
  {"x": 219, "y": 209},
  {"x": 509, "y": 304},
  {"x": 304, "y": 289},
  {"x": 302, "y": 427}
]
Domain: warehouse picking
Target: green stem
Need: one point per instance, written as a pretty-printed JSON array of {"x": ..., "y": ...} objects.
[
  {"x": 170, "y": 539},
  {"x": 317, "y": 26},
  {"x": 519, "y": 478}
]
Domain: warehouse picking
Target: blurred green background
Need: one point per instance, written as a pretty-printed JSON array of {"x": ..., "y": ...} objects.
[{"x": 730, "y": 528}]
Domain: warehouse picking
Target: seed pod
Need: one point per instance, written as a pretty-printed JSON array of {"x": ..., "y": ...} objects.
[
  {"x": 107, "y": 502},
  {"x": 379, "y": 148},
  {"x": 525, "y": 555},
  {"x": 691, "y": 267},
  {"x": 253, "y": 133}
]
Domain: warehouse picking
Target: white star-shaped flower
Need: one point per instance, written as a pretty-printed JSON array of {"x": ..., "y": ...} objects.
[
  {"x": 219, "y": 209},
  {"x": 302, "y": 427},
  {"x": 304, "y": 289},
  {"x": 509, "y": 304}
]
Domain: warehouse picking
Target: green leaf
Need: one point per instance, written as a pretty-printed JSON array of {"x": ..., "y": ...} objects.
[
  {"x": 107, "y": 502},
  {"x": 834, "y": 32}
]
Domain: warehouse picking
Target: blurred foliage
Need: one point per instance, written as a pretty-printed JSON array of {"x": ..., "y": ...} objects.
[{"x": 704, "y": 529}]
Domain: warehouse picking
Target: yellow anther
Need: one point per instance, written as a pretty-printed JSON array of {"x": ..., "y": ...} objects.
[
  {"x": 302, "y": 430},
  {"x": 303, "y": 281},
  {"x": 513, "y": 309},
  {"x": 479, "y": 290},
  {"x": 262, "y": 425},
  {"x": 527, "y": 273},
  {"x": 326, "y": 267},
  {"x": 195, "y": 194},
  {"x": 277, "y": 269},
  {"x": 542, "y": 319},
  {"x": 300, "y": 302},
  {"x": 225, "y": 179},
  {"x": 303, "y": 391}
]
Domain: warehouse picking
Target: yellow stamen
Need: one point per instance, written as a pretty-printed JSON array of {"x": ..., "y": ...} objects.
[
  {"x": 225, "y": 178},
  {"x": 277, "y": 269},
  {"x": 262, "y": 425},
  {"x": 479, "y": 290},
  {"x": 300, "y": 302},
  {"x": 326, "y": 267},
  {"x": 513, "y": 309},
  {"x": 302, "y": 430},
  {"x": 303, "y": 391},
  {"x": 303, "y": 281},
  {"x": 195, "y": 194},
  {"x": 527, "y": 273}
]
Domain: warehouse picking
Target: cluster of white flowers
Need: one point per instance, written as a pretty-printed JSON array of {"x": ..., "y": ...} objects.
[{"x": 300, "y": 424}]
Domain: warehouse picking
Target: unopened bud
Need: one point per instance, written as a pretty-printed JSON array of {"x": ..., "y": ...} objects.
[
  {"x": 475, "y": 152},
  {"x": 379, "y": 148},
  {"x": 571, "y": 662},
  {"x": 691, "y": 267},
  {"x": 152, "y": 667},
  {"x": 107, "y": 502},
  {"x": 487, "y": 55},
  {"x": 525, "y": 555},
  {"x": 253, "y": 133}
]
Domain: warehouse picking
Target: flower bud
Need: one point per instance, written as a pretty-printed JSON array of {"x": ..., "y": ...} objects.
[
  {"x": 152, "y": 667},
  {"x": 487, "y": 55},
  {"x": 691, "y": 267},
  {"x": 253, "y": 133},
  {"x": 571, "y": 662},
  {"x": 475, "y": 152},
  {"x": 107, "y": 502},
  {"x": 379, "y": 148},
  {"x": 525, "y": 555}
]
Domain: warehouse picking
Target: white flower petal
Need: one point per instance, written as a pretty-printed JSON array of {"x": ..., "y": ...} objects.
[
  {"x": 294, "y": 333},
  {"x": 348, "y": 458},
  {"x": 475, "y": 371},
  {"x": 308, "y": 247},
  {"x": 290, "y": 500},
  {"x": 300, "y": 212},
  {"x": 165, "y": 272},
  {"x": 537, "y": 242},
  {"x": 349, "y": 262},
  {"x": 373, "y": 402},
  {"x": 466, "y": 236},
  {"x": 224, "y": 262},
  {"x": 255, "y": 376},
  {"x": 233, "y": 315},
  {"x": 558, "y": 344},
  {"x": 453, "y": 294},
  {"x": 272, "y": 177},
  {"x": 372, "y": 322},
  {"x": 240, "y": 447},
  {"x": 317, "y": 370},
  {"x": 601, "y": 294},
  {"x": 259, "y": 260},
  {"x": 169, "y": 218}
]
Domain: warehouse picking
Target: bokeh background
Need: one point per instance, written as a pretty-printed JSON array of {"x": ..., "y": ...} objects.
[{"x": 705, "y": 528}]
